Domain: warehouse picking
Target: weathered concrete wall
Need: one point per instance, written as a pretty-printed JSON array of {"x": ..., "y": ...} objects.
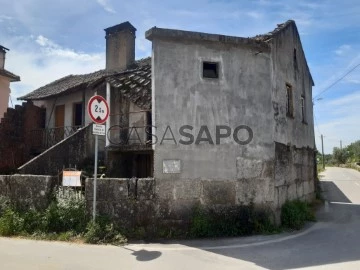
[
  {"x": 294, "y": 138},
  {"x": 181, "y": 96},
  {"x": 290, "y": 69},
  {"x": 130, "y": 202},
  {"x": 28, "y": 190},
  {"x": 71, "y": 151},
  {"x": 212, "y": 174}
]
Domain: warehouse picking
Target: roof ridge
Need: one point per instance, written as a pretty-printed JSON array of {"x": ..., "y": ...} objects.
[{"x": 279, "y": 27}]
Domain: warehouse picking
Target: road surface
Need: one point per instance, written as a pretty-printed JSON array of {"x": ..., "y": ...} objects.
[{"x": 331, "y": 243}]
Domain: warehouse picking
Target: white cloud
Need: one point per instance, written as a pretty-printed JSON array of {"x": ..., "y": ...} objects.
[
  {"x": 5, "y": 18},
  {"x": 343, "y": 49},
  {"x": 53, "y": 49},
  {"x": 107, "y": 7},
  {"x": 45, "y": 62},
  {"x": 254, "y": 14}
]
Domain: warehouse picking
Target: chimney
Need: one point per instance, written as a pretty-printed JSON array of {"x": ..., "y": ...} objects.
[
  {"x": 120, "y": 46},
  {"x": 2, "y": 56}
]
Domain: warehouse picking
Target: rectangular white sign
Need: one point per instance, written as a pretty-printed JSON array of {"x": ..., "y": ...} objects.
[
  {"x": 171, "y": 166},
  {"x": 98, "y": 130},
  {"x": 71, "y": 179}
]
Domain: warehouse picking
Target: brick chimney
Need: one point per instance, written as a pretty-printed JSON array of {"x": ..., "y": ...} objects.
[
  {"x": 120, "y": 46},
  {"x": 2, "y": 56}
]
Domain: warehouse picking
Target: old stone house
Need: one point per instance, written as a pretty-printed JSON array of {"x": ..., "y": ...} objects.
[{"x": 211, "y": 119}]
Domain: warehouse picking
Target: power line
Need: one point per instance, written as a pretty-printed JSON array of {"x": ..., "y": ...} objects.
[
  {"x": 338, "y": 80},
  {"x": 316, "y": 124}
]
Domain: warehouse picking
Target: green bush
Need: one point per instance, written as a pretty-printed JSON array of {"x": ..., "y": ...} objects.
[
  {"x": 11, "y": 223},
  {"x": 66, "y": 215},
  {"x": 294, "y": 214},
  {"x": 103, "y": 232},
  {"x": 236, "y": 221}
]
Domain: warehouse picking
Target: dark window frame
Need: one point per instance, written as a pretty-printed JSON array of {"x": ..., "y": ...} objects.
[
  {"x": 303, "y": 109},
  {"x": 74, "y": 113},
  {"x": 289, "y": 101},
  {"x": 206, "y": 72}
]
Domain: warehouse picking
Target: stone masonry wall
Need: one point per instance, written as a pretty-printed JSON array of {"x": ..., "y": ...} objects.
[
  {"x": 128, "y": 201},
  {"x": 28, "y": 190},
  {"x": 294, "y": 174}
]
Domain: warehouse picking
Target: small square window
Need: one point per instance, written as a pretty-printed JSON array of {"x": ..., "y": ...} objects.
[{"x": 211, "y": 70}]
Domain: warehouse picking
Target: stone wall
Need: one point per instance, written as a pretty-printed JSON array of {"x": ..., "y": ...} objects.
[
  {"x": 28, "y": 190},
  {"x": 71, "y": 151},
  {"x": 128, "y": 201},
  {"x": 148, "y": 203},
  {"x": 294, "y": 174}
]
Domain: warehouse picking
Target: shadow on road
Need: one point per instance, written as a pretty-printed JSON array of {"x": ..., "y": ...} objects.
[
  {"x": 332, "y": 193},
  {"x": 333, "y": 240},
  {"x": 144, "y": 255}
]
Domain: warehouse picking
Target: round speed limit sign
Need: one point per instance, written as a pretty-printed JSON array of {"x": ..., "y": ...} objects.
[{"x": 98, "y": 109}]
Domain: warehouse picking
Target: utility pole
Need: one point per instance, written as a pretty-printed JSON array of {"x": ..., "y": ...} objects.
[
  {"x": 340, "y": 144},
  {"x": 322, "y": 150}
]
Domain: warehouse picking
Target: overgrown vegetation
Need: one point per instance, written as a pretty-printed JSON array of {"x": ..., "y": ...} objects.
[
  {"x": 294, "y": 214},
  {"x": 241, "y": 220},
  {"x": 63, "y": 220}
]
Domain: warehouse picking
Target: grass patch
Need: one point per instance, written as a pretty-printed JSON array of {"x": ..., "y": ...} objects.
[
  {"x": 235, "y": 221},
  {"x": 294, "y": 214}
]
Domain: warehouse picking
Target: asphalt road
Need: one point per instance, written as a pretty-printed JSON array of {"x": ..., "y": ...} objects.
[{"x": 331, "y": 243}]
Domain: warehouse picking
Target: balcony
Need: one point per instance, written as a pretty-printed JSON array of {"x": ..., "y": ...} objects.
[
  {"x": 136, "y": 138},
  {"x": 130, "y": 131},
  {"x": 44, "y": 138}
]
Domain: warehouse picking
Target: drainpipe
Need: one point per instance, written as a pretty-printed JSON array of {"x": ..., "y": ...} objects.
[{"x": 108, "y": 120}]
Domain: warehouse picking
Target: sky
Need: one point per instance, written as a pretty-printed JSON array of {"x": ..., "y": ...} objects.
[{"x": 51, "y": 39}]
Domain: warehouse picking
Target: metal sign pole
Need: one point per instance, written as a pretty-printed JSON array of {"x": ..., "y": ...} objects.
[
  {"x": 98, "y": 110},
  {"x": 95, "y": 176}
]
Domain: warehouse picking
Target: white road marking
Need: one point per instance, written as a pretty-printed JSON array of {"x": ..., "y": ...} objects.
[{"x": 151, "y": 247}]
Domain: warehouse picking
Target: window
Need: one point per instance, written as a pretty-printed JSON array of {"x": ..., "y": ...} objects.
[
  {"x": 210, "y": 70},
  {"x": 289, "y": 101},
  {"x": 303, "y": 110},
  {"x": 295, "y": 61},
  {"x": 78, "y": 114}
]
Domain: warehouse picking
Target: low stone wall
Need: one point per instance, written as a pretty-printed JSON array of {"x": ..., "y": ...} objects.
[
  {"x": 129, "y": 202},
  {"x": 152, "y": 204},
  {"x": 28, "y": 190}
]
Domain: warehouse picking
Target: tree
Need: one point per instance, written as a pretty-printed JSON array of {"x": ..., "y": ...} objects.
[
  {"x": 340, "y": 156},
  {"x": 354, "y": 151}
]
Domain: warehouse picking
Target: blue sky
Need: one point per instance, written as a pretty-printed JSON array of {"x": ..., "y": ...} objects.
[{"x": 52, "y": 39}]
